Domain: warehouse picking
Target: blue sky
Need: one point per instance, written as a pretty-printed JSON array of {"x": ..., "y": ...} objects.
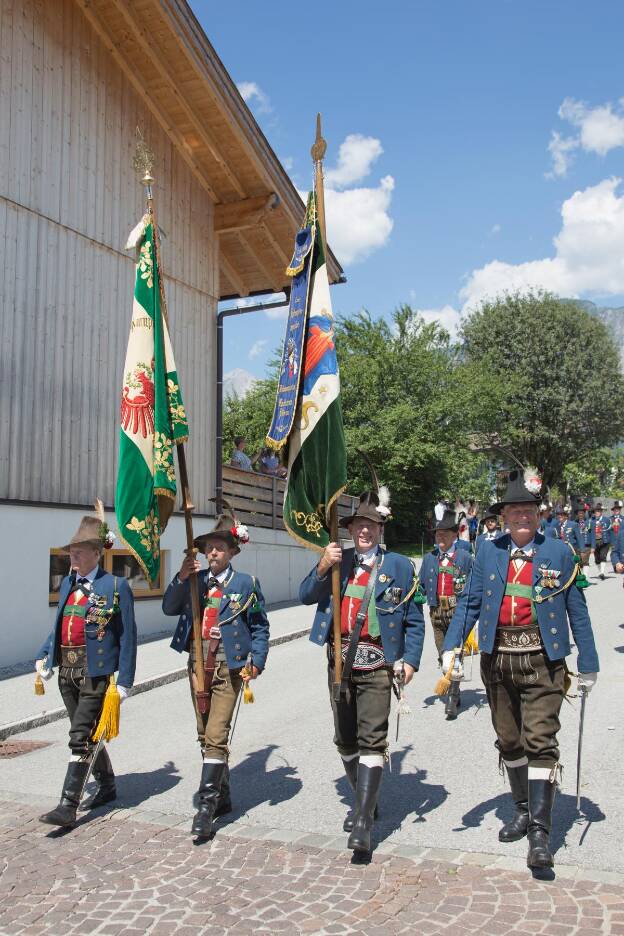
[{"x": 474, "y": 133}]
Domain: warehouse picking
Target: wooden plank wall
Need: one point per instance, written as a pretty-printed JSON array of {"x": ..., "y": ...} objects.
[{"x": 68, "y": 199}]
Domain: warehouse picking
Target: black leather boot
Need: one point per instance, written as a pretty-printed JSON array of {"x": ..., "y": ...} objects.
[
  {"x": 517, "y": 827},
  {"x": 103, "y": 774},
  {"x": 224, "y": 805},
  {"x": 367, "y": 791},
  {"x": 209, "y": 793},
  {"x": 541, "y": 799},
  {"x": 65, "y": 812},
  {"x": 351, "y": 771}
]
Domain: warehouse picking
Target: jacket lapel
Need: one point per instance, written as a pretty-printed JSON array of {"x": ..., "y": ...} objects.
[{"x": 502, "y": 556}]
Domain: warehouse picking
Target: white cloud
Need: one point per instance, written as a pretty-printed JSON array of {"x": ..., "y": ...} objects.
[
  {"x": 560, "y": 149},
  {"x": 599, "y": 130},
  {"x": 252, "y": 94},
  {"x": 356, "y": 156},
  {"x": 287, "y": 162},
  {"x": 588, "y": 257},
  {"x": 257, "y": 348},
  {"x": 447, "y": 317},
  {"x": 358, "y": 221},
  {"x": 495, "y": 229}
]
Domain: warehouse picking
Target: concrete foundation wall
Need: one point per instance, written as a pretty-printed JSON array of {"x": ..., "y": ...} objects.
[{"x": 28, "y": 534}]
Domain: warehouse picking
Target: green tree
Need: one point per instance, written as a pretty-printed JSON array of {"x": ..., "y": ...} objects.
[{"x": 547, "y": 375}]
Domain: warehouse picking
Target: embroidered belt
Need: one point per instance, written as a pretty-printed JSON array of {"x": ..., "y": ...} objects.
[
  {"x": 73, "y": 657},
  {"x": 368, "y": 656},
  {"x": 447, "y": 601},
  {"x": 519, "y": 639}
]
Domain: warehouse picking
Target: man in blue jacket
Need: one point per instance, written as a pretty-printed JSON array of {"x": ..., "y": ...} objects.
[
  {"x": 616, "y": 525},
  {"x": 568, "y": 531},
  {"x": 383, "y": 629},
  {"x": 94, "y": 636},
  {"x": 491, "y": 529},
  {"x": 443, "y": 574},
  {"x": 600, "y": 538},
  {"x": 522, "y": 592},
  {"x": 235, "y": 644}
]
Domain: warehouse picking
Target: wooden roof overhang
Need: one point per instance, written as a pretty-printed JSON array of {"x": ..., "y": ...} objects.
[{"x": 166, "y": 56}]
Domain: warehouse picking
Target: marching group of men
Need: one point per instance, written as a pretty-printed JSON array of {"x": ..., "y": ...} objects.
[{"x": 522, "y": 587}]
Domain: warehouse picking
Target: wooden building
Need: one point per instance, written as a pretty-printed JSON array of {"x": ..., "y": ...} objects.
[{"x": 77, "y": 77}]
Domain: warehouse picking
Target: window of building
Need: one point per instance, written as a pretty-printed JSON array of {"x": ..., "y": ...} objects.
[{"x": 118, "y": 562}]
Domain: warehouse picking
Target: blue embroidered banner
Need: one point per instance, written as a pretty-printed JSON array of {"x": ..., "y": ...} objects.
[{"x": 290, "y": 370}]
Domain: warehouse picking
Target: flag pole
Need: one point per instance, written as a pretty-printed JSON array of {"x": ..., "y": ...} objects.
[
  {"x": 318, "y": 151},
  {"x": 201, "y": 695}
]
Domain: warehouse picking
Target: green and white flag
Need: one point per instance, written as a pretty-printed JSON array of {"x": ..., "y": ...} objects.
[
  {"x": 153, "y": 419},
  {"x": 317, "y": 458}
]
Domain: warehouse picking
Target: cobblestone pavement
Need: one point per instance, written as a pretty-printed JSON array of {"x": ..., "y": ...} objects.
[{"x": 116, "y": 876}]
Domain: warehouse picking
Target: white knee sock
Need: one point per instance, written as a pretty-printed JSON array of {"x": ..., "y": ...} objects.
[
  {"x": 371, "y": 760},
  {"x": 213, "y": 760},
  {"x": 520, "y": 762},
  {"x": 602, "y": 567},
  {"x": 349, "y": 757},
  {"x": 540, "y": 773}
]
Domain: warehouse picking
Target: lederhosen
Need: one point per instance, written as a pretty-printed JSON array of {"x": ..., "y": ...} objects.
[
  {"x": 524, "y": 687},
  {"x": 83, "y": 695},
  {"x": 362, "y": 712},
  {"x": 450, "y": 584},
  {"x": 222, "y": 684},
  {"x": 586, "y": 551},
  {"x": 601, "y": 549}
]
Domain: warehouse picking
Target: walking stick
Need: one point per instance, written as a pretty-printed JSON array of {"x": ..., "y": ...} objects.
[
  {"x": 583, "y": 694},
  {"x": 333, "y": 528}
]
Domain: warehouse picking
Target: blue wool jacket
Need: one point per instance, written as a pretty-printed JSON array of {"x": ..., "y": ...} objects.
[
  {"x": 428, "y": 574},
  {"x": 569, "y": 532},
  {"x": 401, "y": 626},
  {"x": 617, "y": 548},
  {"x": 585, "y": 528},
  {"x": 117, "y": 650},
  {"x": 462, "y": 544},
  {"x": 485, "y": 590},
  {"x": 605, "y": 522},
  {"x": 242, "y": 617}
]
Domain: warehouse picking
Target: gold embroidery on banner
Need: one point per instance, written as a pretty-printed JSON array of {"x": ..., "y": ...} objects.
[
  {"x": 310, "y": 522},
  {"x": 146, "y": 264}
]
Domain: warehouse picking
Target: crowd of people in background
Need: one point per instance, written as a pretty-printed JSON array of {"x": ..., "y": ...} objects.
[
  {"x": 266, "y": 461},
  {"x": 587, "y": 528}
]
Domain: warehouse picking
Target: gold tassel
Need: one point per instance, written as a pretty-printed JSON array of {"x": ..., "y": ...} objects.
[
  {"x": 471, "y": 645},
  {"x": 39, "y": 686},
  {"x": 248, "y": 695},
  {"x": 108, "y": 725},
  {"x": 444, "y": 682}
]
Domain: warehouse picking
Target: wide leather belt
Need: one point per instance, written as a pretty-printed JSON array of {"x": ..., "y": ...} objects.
[
  {"x": 73, "y": 657},
  {"x": 519, "y": 639},
  {"x": 447, "y": 601}
]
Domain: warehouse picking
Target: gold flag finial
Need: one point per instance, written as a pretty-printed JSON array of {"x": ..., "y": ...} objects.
[
  {"x": 319, "y": 147},
  {"x": 143, "y": 160}
]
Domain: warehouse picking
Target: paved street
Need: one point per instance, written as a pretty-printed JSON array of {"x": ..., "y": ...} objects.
[{"x": 281, "y": 859}]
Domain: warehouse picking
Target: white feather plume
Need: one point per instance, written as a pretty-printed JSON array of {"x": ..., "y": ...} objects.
[{"x": 384, "y": 496}]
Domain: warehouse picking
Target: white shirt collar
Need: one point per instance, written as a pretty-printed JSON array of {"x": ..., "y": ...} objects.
[
  {"x": 90, "y": 575},
  {"x": 221, "y": 577},
  {"x": 367, "y": 557},
  {"x": 530, "y": 547}
]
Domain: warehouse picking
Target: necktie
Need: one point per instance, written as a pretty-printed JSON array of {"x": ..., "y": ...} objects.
[{"x": 213, "y": 583}]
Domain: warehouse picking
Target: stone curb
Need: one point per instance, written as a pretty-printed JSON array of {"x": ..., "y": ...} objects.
[{"x": 153, "y": 682}]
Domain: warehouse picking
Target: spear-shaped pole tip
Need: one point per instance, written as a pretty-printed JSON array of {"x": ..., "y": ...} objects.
[{"x": 319, "y": 147}]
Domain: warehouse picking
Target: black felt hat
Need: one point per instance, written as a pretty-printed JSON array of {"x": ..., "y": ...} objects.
[
  {"x": 517, "y": 490},
  {"x": 448, "y": 521},
  {"x": 490, "y": 513}
]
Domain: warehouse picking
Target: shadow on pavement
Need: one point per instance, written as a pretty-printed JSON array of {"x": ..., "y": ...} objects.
[
  {"x": 470, "y": 699},
  {"x": 619, "y": 649},
  {"x": 135, "y": 788},
  {"x": 565, "y": 816},
  {"x": 252, "y": 782},
  {"x": 403, "y": 796}
]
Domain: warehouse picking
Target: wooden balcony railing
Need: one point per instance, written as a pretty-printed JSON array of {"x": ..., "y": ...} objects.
[{"x": 258, "y": 499}]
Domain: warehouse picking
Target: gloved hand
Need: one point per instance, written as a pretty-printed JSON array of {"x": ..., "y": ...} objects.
[
  {"x": 40, "y": 667},
  {"x": 123, "y": 692},
  {"x": 588, "y": 680},
  {"x": 447, "y": 660}
]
